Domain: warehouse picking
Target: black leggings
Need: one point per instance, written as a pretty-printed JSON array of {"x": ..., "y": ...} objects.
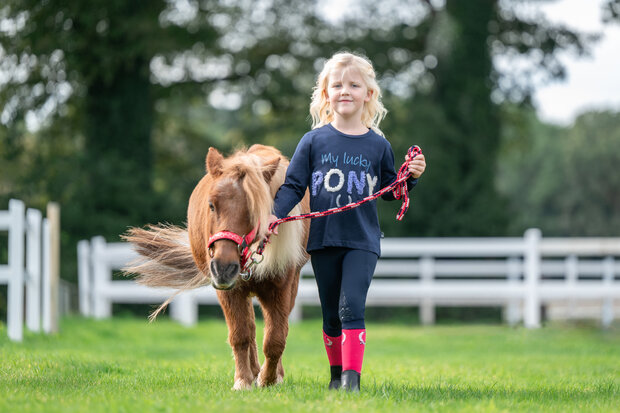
[{"x": 343, "y": 276}]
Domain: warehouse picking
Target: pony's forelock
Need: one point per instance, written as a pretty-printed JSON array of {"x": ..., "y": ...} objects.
[{"x": 256, "y": 189}]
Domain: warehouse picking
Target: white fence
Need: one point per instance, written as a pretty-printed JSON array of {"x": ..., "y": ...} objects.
[
  {"x": 96, "y": 262},
  {"x": 28, "y": 251},
  {"x": 520, "y": 274}
]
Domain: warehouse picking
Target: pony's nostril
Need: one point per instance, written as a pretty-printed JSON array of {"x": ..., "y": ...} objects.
[
  {"x": 233, "y": 269},
  {"x": 224, "y": 272}
]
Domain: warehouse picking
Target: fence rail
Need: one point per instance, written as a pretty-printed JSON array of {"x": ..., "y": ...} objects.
[{"x": 519, "y": 273}]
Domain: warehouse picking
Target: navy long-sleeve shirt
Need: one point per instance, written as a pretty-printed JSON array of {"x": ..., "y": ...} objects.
[{"x": 339, "y": 169}]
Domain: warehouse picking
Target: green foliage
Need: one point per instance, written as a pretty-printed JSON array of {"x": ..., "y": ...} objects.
[
  {"x": 130, "y": 365},
  {"x": 434, "y": 206},
  {"x": 125, "y": 91},
  {"x": 562, "y": 180},
  {"x": 463, "y": 94}
]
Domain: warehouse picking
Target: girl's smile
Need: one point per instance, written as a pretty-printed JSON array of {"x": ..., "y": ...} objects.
[{"x": 347, "y": 93}]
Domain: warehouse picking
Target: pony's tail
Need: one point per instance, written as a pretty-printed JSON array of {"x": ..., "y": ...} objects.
[{"x": 165, "y": 260}]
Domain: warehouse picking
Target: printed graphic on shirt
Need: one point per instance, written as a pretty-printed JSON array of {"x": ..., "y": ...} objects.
[{"x": 359, "y": 181}]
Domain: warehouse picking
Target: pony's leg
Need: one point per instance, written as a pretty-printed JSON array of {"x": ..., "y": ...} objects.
[
  {"x": 239, "y": 315},
  {"x": 276, "y": 330},
  {"x": 254, "y": 364},
  {"x": 276, "y": 305}
]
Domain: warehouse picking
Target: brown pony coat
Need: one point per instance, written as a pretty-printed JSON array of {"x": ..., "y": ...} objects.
[{"x": 235, "y": 195}]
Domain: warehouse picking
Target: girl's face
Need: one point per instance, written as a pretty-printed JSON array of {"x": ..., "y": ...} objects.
[{"x": 347, "y": 93}]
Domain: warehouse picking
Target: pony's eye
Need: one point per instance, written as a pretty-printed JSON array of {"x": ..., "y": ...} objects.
[{"x": 211, "y": 206}]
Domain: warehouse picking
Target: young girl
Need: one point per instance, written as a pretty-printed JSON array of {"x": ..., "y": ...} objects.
[{"x": 343, "y": 159}]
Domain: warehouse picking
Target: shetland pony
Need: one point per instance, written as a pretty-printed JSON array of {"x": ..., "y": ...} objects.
[{"x": 236, "y": 196}]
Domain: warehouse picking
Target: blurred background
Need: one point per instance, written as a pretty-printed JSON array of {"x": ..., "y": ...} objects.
[{"x": 108, "y": 107}]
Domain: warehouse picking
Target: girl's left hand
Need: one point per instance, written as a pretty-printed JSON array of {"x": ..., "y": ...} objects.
[
  {"x": 273, "y": 218},
  {"x": 416, "y": 166}
]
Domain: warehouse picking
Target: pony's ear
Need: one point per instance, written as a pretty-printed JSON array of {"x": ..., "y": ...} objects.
[
  {"x": 270, "y": 168},
  {"x": 214, "y": 162}
]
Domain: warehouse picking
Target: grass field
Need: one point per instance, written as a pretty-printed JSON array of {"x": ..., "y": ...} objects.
[{"x": 127, "y": 365}]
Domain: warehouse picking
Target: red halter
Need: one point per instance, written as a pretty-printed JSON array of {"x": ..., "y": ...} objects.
[{"x": 243, "y": 246}]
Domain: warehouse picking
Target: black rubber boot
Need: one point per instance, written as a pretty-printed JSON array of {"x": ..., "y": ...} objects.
[
  {"x": 351, "y": 381},
  {"x": 335, "y": 383}
]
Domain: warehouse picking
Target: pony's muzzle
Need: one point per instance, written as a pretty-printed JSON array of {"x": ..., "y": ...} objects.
[{"x": 224, "y": 274}]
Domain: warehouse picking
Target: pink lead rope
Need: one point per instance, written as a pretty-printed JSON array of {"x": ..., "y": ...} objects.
[{"x": 398, "y": 188}]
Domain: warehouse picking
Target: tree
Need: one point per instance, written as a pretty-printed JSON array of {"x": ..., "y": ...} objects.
[
  {"x": 116, "y": 68},
  {"x": 562, "y": 180},
  {"x": 109, "y": 62},
  {"x": 91, "y": 74},
  {"x": 93, "y": 57}
]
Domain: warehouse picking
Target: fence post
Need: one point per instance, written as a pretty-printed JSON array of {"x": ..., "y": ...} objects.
[
  {"x": 15, "y": 299},
  {"x": 296, "y": 314},
  {"x": 184, "y": 309},
  {"x": 33, "y": 269},
  {"x": 53, "y": 216},
  {"x": 512, "y": 311},
  {"x": 607, "y": 311},
  {"x": 427, "y": 306},
  {"x": 572, "y": 275},
  {"x": 84, "y": 278},
  {"x": 102, "y": 307},
  {"x": 532, "y": 278},
  {"x": 46, "y": 300}
]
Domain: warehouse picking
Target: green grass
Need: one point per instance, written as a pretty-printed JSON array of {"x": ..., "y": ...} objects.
[{"x": 127, "y": 365}]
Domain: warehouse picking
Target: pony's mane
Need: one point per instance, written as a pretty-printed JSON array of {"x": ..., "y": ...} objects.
[
  {"x": 247, "y": 167},
  {"x": 166, "y": 257}
]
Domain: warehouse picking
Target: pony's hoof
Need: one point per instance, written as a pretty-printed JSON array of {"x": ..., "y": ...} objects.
[
  {"x": 263, "y": 381},
  {"x": 241, "y": 384}
]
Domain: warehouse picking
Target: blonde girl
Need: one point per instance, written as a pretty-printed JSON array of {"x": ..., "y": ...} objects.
[
  {"x": 373, "y": 111},
  {"x": 344, "y": 158}
]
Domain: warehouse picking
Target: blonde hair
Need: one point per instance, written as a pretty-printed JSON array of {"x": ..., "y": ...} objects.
[{"x": 373, "y": 112}]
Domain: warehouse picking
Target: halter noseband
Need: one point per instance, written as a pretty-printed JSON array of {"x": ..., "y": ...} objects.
[{"x": 246, "y": 259}]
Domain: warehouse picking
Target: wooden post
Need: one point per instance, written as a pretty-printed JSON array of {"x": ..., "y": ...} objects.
[
  {"x": 427, "y": 305},
  {"x": 531, "y": 316},
  {"x": 572, "y": 276},
  {"x": 102, "y": 276},
  {"x": 512, "y": 309},
  {"x": 33, "y": 269},
  {"x": 184, "y": 309},
  {"x": 15, "y": 299},
  {"x": 53, "y": 216},
  {"x": 85, "y": 278},
  {"x": 296, "y": 313},
  {"x": 607, "y": 310}
]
